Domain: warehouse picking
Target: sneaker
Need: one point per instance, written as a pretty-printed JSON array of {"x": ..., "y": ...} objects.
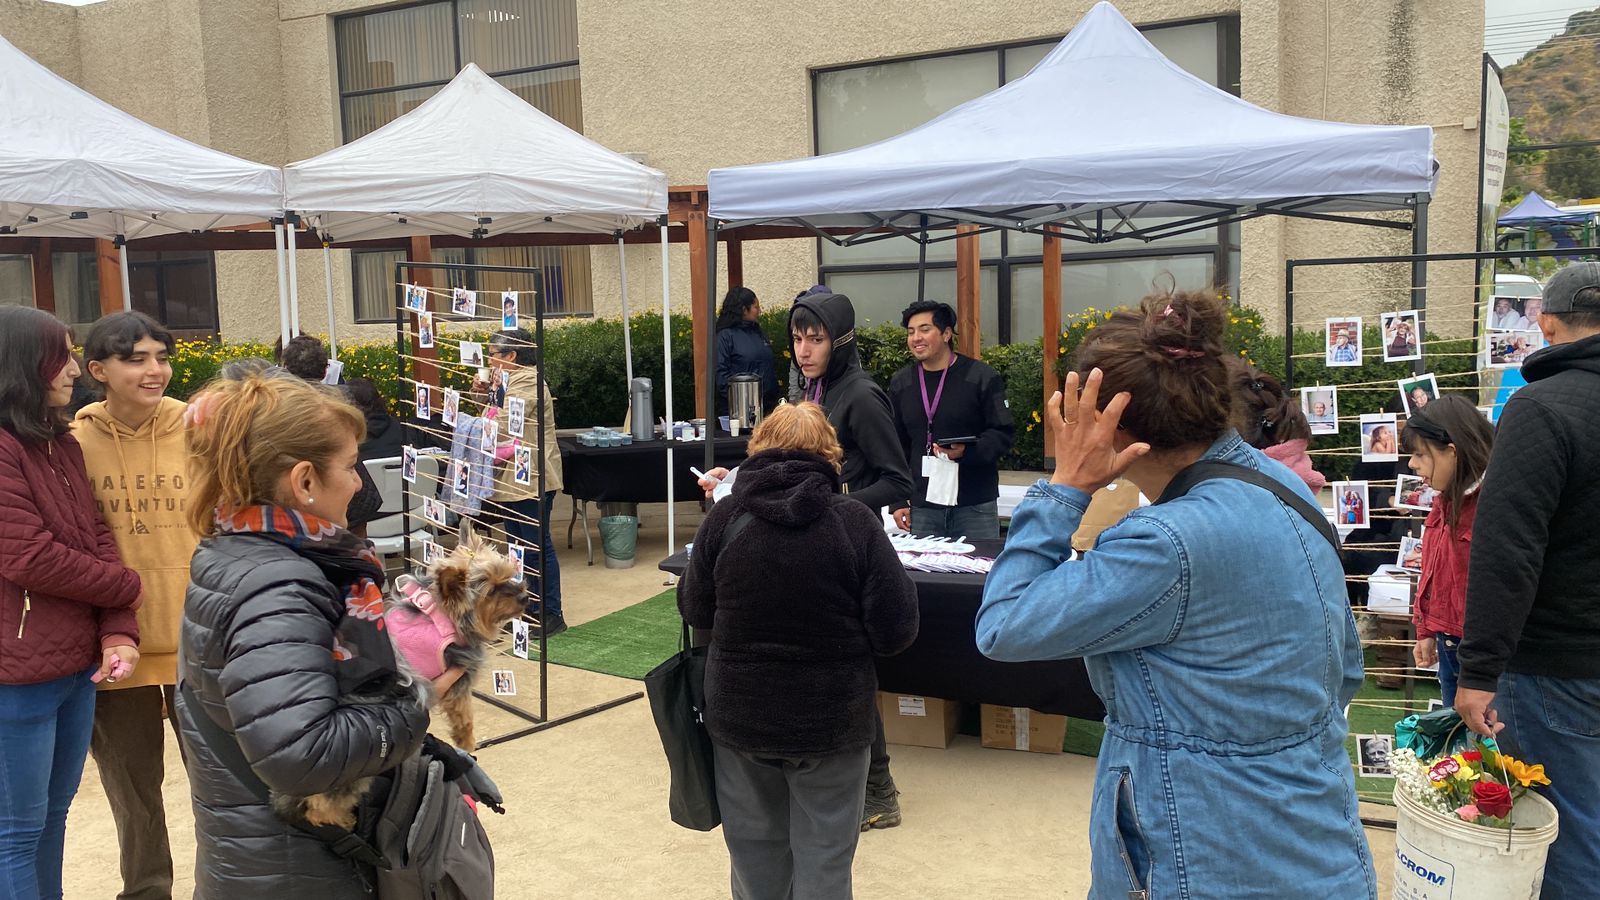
[
  {"x": 554, "y": 624},
  {"x": 881, "y": 810}
]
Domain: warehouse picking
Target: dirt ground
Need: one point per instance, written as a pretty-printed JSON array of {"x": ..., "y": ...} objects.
[{"x": 586, "y": 801}]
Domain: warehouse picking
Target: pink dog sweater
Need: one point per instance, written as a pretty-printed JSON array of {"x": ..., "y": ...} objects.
[{"x": 420, "y": 637}]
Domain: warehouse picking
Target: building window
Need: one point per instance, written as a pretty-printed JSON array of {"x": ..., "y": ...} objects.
[
  {"x": 16, "y": 279},
  {"x": 558, "y": 271},
  {"x": 391, "y": 60},
  {"x": 177, "y": 289},
  {"x": 858, "y": 105}
]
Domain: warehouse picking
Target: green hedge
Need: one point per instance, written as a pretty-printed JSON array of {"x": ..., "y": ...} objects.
[{"x": 588, "y": 379}]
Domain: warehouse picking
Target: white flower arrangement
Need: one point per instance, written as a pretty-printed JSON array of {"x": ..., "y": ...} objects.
[{"x": 1412, "y": 777}]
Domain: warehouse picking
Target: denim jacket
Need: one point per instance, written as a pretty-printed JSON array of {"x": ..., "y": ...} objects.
[{"x": 1216, "y": 630}]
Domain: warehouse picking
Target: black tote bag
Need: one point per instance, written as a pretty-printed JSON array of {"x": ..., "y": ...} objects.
[{"x": 677, "y": 691}]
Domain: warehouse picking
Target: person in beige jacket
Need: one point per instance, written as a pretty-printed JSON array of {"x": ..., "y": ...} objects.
[
  {"x": 527, "y": 515},
  {"x": 133, "y": 448}
]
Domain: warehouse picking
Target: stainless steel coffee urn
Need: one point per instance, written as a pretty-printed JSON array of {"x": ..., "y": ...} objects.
[
  {"x": 643, "y": 405},
  {"x": 744, "y": 402}
]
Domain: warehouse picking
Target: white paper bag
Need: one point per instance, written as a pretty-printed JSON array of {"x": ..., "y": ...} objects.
[{"x": 944, "y": 480}]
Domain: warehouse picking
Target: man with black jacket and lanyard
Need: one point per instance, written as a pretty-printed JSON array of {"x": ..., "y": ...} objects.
[
  {"x": 1530, "y": 654},
  {"x": 822, "y": 342},
  {"x": 950, "y": 411}
]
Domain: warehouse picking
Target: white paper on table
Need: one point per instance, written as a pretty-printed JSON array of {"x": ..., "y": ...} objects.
[{"x": 944, "y": 480}]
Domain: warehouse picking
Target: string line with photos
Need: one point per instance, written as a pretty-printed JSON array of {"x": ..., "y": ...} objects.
[
  {"x": 1401, "y": 289},
  {"x": 412, "y": 320}
]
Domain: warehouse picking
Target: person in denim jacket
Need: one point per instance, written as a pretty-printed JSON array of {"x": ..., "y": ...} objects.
[{"x": 1215, "y": 628}]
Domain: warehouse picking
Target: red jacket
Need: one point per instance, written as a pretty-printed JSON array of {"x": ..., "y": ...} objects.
[
  {"x": 1442, "y": 589},
  {"x": 64, "y": 594}
]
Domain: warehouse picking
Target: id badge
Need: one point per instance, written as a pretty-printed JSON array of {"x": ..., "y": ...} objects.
[{"x": 928, "y": 464}]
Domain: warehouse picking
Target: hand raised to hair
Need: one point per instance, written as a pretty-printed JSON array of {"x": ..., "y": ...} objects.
[{"x": 1086, "y": 454}]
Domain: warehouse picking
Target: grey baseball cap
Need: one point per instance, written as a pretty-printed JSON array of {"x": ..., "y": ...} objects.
[{"x": 1564, "y": 286}]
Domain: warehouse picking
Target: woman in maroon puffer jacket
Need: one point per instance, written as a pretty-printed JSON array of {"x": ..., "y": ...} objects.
[{"x": 66, "y": 603}]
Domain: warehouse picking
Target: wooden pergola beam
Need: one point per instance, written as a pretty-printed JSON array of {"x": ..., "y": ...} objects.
[
  {"x": 969, "y": 299},
  {"x": 44, "y": 277},
  {"x": 108, "y": 268}
]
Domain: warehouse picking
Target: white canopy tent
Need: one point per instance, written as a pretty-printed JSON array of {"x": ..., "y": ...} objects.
[
  {"x": 476, "y": 160},
  {"x": 1104, "y": 140},
  {"x": 72, "y": 165}
]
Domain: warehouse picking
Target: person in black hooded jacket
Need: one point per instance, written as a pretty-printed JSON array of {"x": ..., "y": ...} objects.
[{"x": 800, "y": 588}]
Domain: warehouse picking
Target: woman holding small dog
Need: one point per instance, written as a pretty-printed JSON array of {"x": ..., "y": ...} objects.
[
  {"x": 801, "y": 589},
  {"x": 281, "y": 608}
]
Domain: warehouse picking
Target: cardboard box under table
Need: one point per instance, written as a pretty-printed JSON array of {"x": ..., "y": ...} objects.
[
  {"x": 918, "y": 721},
  {"x": 1020, "y": 728}
]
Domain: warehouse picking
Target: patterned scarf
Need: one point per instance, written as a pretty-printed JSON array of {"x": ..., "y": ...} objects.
[{"x": 360, "y": 644}]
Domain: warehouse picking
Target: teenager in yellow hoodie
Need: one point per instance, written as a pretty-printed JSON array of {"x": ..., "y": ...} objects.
[{"x": 133, "y": 448}]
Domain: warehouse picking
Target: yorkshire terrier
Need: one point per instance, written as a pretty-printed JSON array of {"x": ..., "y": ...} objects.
[{"x": 448, "y": 618}]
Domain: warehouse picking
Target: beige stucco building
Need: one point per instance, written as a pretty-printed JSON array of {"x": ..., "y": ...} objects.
[{"x": 697, "y": 84}]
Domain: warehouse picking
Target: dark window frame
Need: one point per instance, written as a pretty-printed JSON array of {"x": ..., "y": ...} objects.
[{"x": 161, "y": 268}]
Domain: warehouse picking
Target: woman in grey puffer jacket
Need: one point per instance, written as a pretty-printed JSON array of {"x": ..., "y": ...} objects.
[{"x": 277, "y": 587}]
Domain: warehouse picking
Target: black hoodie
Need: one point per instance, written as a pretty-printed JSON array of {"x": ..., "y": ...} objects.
[
  {"x": 799, "y": 602},
  {"x": 875, "y": 469},
  {"x": 1533, "y": 589}
]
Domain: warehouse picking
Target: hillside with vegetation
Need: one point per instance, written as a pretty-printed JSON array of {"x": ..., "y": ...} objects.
[{"x": 1554, "y": 94}]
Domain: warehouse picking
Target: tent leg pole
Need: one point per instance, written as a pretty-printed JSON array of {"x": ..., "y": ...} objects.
[
  {"x": 666, "y": 354},
  {"x": 711, "y": 334},
  {"x": 627, "y": 319},
  {"x": 922, "y": 261},
  {"x": 122, "y": 266},
  {"x": 327, "y": 277},
  {"x": 291, "y": 240},
  {"x": 283, "y": 285}
]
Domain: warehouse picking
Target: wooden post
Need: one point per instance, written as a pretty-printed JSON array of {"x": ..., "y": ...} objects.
[
  {"x": 425, "y": 370},
  {"x": 44, "y": 277},
  {"x": 735, "y": 260},
  {"x": 699, "y": 290},
  {"x": 109, "y": 269},
  {"x": 969, "y": 302},
  {"x": 1051, "y": 342}
]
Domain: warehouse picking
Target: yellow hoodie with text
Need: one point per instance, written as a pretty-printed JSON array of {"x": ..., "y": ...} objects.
[{"x": 140, "y": 479}]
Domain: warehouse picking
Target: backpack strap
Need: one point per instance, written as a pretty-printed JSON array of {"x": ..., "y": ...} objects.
[
  {"x": 1208, "y": 469},
  {"x": 346, "y": 844}
]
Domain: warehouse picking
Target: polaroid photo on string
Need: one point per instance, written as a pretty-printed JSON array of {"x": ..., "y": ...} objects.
[
  {"x": 408, "y": 464},
  {"x": 508, "y": 309},
  {"x": 1410, "y": 556},
  {"x": 433, "y": 510},
  {"x": 1374, "y": 751},
  {"x": 1380, "y": 437},
  {"x": 1411, "y": 492},
  {"x": 519, "y": 639},
  {"x": 522, "y": 460},
  {"x": 463, "y": 302},
  {"x": 425, "y": 329},
  {"x": 1350, "y": 504},
  {"x": 462, "y": 478},
  {"x": 334, "y": 373},
  {"x": 1418, "y": 392},
  {"x": 452, "y": 407},
  {"x": 1488, "y": 413},
  {"x": 1435, "y": 703},
  {"x": 516, "y": 416},
  {"x": 1343, "y": 341},
  {"x": 491, "y": 431},
  {"x": 504, "y": 379},
  {"x": 1510, "y": 349},
  {"x": 1321, "y": 408},
  {"x": 471, "y": 353},
  {"x": 424, "y": 402},
  {"x": 505, "y": 683},
  {"x": 416, "y": 297},
  {"x": 1401, "y": 336},
  {"x": 431, "y": 552},
  {"x": 518, "y": 554}
]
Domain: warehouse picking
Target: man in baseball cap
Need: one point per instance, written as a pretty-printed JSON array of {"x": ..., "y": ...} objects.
[{"x": 1530, "y": 657}]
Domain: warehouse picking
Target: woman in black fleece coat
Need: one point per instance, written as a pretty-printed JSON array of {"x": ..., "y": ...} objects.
[{"x": 801, "y": 588}]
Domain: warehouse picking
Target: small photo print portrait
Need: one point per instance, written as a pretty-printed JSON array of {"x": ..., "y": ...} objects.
[
  {"x": 1412, "y": 493},
  {"x": 1418, "y": 392},
  {"x": 424, "y": 402},
  {"x": 1374, "y": 751},
  {"x": 433, "y": 510},
  {"x": 1400, "y": 336},
  {"x": 452, "y": 407},
  {"x": 408, "y": 464},
  {"x": 463, "y": 478},
  {"x": 508, "y": 309},
  {"x": 431, "y": 552},
  {"x": 522, "y": 456},
  {"x": 471, "y": 353},
  {"x": 1343, "y": 341},
  {"x": 1350, "y": 504},
  {"x": 516, "y": 416},
  {"x": 416, "y": 297},
  {"x": 425, "y": 330},
  {"x": 519, "y": 639},
  {"x": 1380, "y": 437},
  {"x": 1321, "y": 406},
  {"x": 1410, "y": 553},
  {"x": 1510, "y": 349},
  {"x": 463, "y": 302},
  {"x": 519, "y": 556},
  {"x": 505, "y": 683}
]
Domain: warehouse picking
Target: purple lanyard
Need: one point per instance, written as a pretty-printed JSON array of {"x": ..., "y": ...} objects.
[
  {"x": 930, "y": 408},
  {"x": 814, "y": 393}
]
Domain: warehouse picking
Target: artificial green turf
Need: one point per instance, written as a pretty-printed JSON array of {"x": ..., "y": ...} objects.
[{"x": 627, "y": 643}]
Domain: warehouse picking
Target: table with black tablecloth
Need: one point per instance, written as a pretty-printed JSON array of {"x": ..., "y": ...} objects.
[
  {"x": 944, "y": 660},
  {"x": 635, "y": 473}
]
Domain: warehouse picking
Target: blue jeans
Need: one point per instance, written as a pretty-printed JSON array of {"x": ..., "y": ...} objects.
[
  {"x": 44, "y": 738},
  {"x": 1556, "y": 721},
  {"x": 541, "y": 536},
  {"x": 980, "y": 521},
  {"x": 1449, "y": 669}
]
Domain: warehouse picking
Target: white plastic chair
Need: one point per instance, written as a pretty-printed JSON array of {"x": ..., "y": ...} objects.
[{"x": 387, "y": 532}]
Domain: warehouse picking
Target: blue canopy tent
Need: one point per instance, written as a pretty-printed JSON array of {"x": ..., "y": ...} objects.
[{"x": 1534, "y": 213}]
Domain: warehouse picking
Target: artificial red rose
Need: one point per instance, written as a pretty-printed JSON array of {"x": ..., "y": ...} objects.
[
  {"x": 1472, "y": 756},
  {"x": 1492, "y": 799}
]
